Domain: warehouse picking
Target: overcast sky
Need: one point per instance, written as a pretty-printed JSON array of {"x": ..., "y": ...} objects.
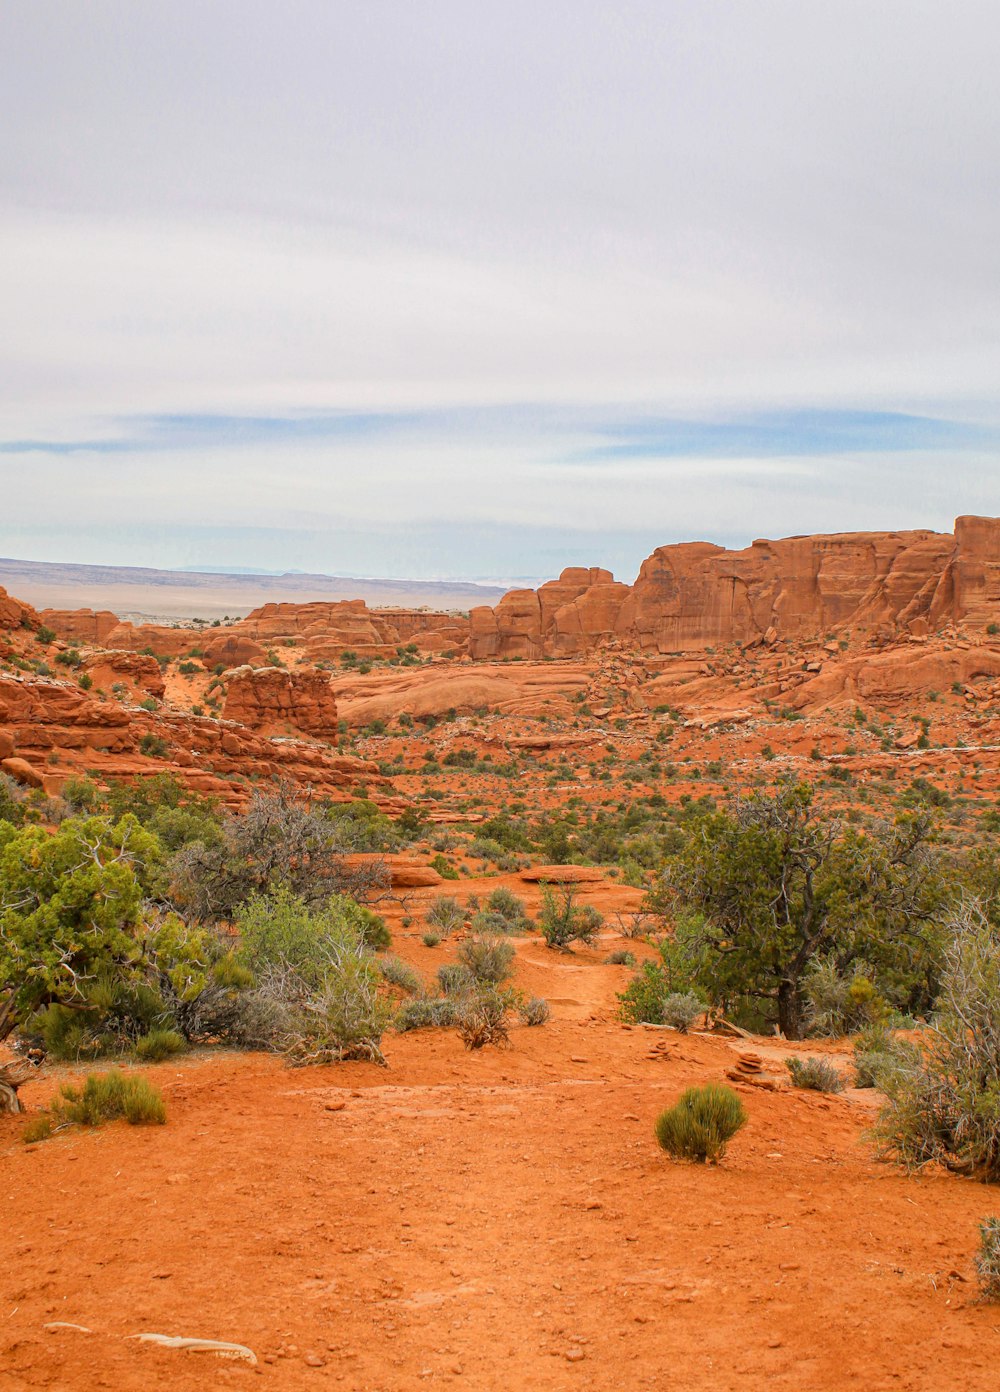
[{"x": 455, "y": 288}]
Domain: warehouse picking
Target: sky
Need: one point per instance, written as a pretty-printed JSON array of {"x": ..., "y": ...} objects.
[{"x": 453, "y": 289}]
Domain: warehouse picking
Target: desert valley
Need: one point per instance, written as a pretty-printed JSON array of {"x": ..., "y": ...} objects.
[{"x": 541, "y": 806}]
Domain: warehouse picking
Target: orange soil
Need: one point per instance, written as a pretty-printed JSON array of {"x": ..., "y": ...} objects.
[{"x": 490, "y": 1220}]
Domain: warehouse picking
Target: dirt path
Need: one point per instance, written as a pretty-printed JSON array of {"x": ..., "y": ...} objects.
[{"x": 490, "y": 1221}]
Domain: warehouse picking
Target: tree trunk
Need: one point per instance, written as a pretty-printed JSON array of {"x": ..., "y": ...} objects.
[
  {"x": 12, "y": 1075},
  {"x": 789, "y": 1010}
]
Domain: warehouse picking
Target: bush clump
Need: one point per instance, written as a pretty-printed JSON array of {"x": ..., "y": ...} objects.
[
  {"x": 482, "y": 1018},
  {"x": 425, "y": 1012},
  {"x": 489, "y": 959},
  {"x": 504, "y": 905},
  {"x": 112, "y": 1096},
  {"x": 160, "y": 1044},
  {"x": 875, "y": 1053},
  {"x": 680, "y": 1009},
  {"x": 563, "y": 921},
  {"x": 988, "y": 1257},
  {"x": 445, "y": 914},
  {"x": 534, "y": 1011},
  {"x": 700, "y": 1126},
  {"x": 455, "y": 979},
  {"x": 943, "y": 1097},
  {"x": 814, "y": 1074},
  {"x": 400, "y": 974}
]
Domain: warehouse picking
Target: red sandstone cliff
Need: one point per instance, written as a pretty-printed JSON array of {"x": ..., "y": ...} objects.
[{"x": 697, "y": 595}]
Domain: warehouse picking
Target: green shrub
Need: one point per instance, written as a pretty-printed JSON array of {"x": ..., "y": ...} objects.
[
  {"x": 563, "y": 921},
  {"x": 814, "y": 1074},
  {"x": 425, "y": 1012},
  {"x": 154, "y": 747},
  {"x": 875, "y": 1051},
  {"x": 431, "y": 939},
  {"x": 680, "y": 1009},
  {"x": 943, "y": 1097},
  {"x": 159, "y": 1044},
  {"x": 401, "y": 974},
  {"x": 345, "y": 1019},
  {"x": 534, "y": 1011},
  {"x": 455, "y": 979},
  {"x": 701, "y": 1124},
  {"x": 488, "y": 958},
  {"x": 643, "y": 998},
  {"x": 837, "y": 1004},
  {"x": 281, "y": 929},
  {"x": 504, "y": 904},
  {"x": 988, "y": 1257},
  {"x": 111, "y": 1096},
  {"x": 482, "y": 1017},
  {"x": 621, "y": 958},
  {"x": 445, "y": 914},
  {"x": 444, "y": 868}
]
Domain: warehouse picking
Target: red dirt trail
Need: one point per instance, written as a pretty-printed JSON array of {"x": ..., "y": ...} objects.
[{"x": 492, "y": 1220}]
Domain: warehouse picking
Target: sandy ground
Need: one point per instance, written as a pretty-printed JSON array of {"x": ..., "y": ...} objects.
[{"x": 491, "y": 1220}]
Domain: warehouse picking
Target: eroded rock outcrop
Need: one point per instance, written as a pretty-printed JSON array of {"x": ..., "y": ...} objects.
[
  {"x": 274, "y": 701},
  {"x": 696, "y": 595},
  {"x": 16, "y": 614}
]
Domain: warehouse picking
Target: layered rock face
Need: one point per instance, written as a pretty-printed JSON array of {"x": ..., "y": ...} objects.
[
  {"x": 15, "y": 614},
  {"x": 561, "y": 618},
  {"x": 696, "y": 595},
  {"x": 269, "y": 700},
  {"x": 50, "y": 730}
]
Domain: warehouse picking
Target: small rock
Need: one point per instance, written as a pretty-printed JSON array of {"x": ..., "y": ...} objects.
[
  {"x": 313, "y": 1360},
  {"x": 574, "y": 1355}
]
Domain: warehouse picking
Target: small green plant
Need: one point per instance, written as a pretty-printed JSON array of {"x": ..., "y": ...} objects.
[
  {"x": 489, "y": 959},
  {"x": 445, "y": 914},
  {"x": 701, "y": 1124},
  {"x": 159, "y": 1044},
  {"x": 444, "y": 868},
  {"x": 680, "y": 1009},
  {"x": 504, "y": 904},
  {"x": 425, "y": 1012},
  {"x": 534, "y": 1010},
  {"x": 154, "y": 747},
  {"x": 482, "y": 1018},
  {"x": 112, "y": 1096},
  {"x": 455, "y": 979},
  {"x": 44, "y": 634},
  {"x": 399, "y": 973},
  {"x": 875, "y": 1051},
  {"x": 814, "y": 1074},
  {"x": 988, "y": 1257},
  {"x": 431, "y": 939},
  {"x": 621, "y": 958},
  {"x": 563, "y": 921}
]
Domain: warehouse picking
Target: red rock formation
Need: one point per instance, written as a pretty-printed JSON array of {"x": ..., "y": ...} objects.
[
  {"x": 15, "y": 614},
  {"x": 232, "y": 649},
  {"x": 137, "y": 671},
  {"x": 696, "y": 595},
  {"x": 275, "y": 701},
  {"x": 562, "y": 617},
  {"x": 82, "y": 625}
]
